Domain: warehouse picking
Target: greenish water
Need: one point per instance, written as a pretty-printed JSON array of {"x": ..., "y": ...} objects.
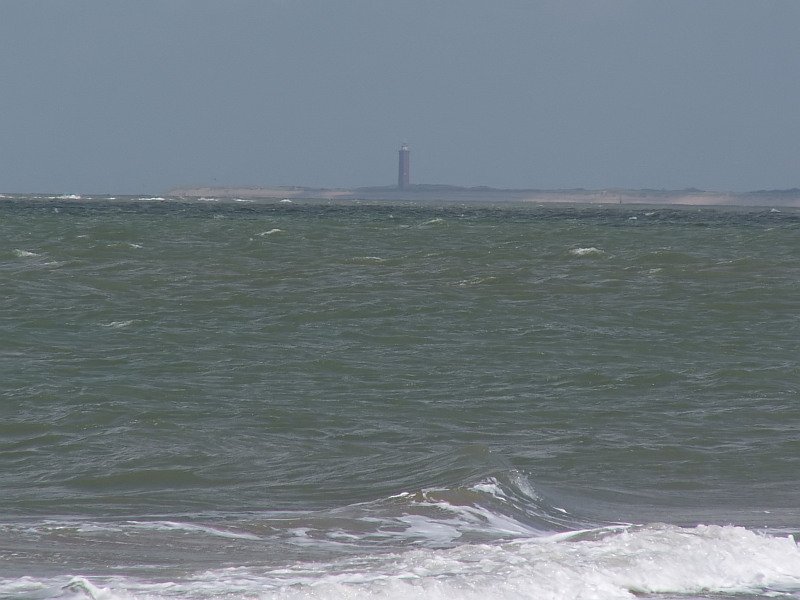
[{"x": 307, "y": 400}]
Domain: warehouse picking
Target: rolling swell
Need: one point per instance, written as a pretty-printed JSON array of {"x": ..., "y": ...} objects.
[{"x": 486, "y": 509}]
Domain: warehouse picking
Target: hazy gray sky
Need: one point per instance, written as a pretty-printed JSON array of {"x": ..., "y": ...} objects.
[{"x": 139, "y": 96}]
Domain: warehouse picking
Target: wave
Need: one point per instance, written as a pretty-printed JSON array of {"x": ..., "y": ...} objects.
[
  {"x": 192, "y": 528},
  {"x": 606, "y": 564},
  {"x": 496, "y": 537},
  {"x": 492, "y": 509},
  {"x": 491, "y": 534},
  {"x": 724, "y": 561}
]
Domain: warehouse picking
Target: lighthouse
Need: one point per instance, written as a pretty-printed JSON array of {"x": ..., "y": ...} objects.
[{"x": 404, "y": 167}]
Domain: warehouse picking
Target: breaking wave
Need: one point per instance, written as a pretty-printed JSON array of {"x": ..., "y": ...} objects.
[{"x": 494, "y": 538}]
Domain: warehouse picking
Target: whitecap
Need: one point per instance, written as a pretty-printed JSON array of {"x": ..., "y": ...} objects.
[
  {"x": 69, "y": 197},
  {"x": 476, "y": 281},
  {"x": 117, "y": 324},
  {"x": 24, "y": 253},
  {"x": 81, "y": 584},
  {"x": 286, "y": 201},
  {"x": 270, "y": 232},
  {"x": 586, "y": 251},
  {"x": 435, "y": 221},
  {"x": 124, "y": 245}
]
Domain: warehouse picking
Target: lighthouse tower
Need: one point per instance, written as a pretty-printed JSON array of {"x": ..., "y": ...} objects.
[{"x": 404, "y": 167}]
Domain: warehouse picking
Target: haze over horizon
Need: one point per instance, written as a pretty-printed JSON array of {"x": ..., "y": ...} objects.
[{"x": 117, "y": 97}]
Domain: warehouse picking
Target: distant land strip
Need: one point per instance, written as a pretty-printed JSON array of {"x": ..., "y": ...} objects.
[{"x": 448, "y": 193}]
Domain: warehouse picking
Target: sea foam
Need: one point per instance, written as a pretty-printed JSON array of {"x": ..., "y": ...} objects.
[{"x": 655, "y": 559}]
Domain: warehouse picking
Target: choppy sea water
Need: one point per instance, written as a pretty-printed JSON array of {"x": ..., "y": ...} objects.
[{"x": 303, "y": 400}]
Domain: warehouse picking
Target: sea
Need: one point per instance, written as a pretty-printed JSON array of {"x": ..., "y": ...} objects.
[{"x": 225, "y": 399}]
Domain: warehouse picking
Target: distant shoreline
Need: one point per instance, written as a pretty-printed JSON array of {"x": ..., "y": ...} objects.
[
  {"x": 444, "y": 194},
  {"x": 424, "y": 193}
]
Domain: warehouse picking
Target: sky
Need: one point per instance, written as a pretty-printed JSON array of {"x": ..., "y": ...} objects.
[{"x": 136, "y": 97}]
